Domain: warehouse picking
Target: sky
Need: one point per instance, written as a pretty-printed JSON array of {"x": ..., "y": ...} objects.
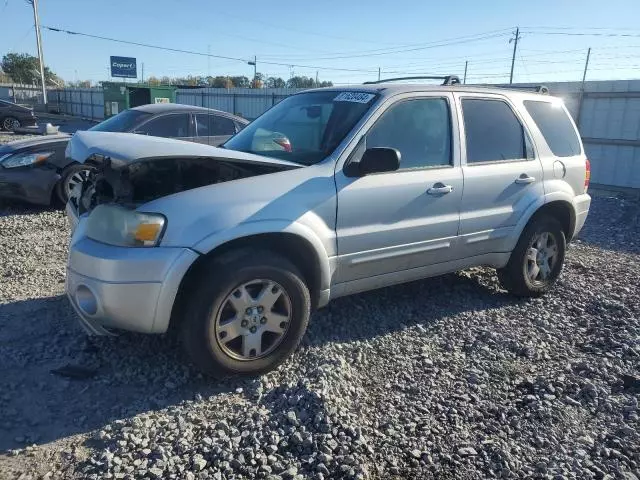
[{"x": 345, "y": 42}]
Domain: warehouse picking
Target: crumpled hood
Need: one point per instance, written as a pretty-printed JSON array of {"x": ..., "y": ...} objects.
[{"x": 126, "y": 148}]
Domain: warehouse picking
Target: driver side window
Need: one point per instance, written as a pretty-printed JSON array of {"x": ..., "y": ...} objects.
[{"x": 419, "y": 129}]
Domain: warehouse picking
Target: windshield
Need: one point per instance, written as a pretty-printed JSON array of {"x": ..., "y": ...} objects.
[
  {"x": 122, "y": 122},
  {"x": 303, "y": 128}
]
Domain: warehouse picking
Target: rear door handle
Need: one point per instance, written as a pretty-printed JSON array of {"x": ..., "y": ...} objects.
[
  {"x": 440, "y": 189},
  {"x": 525, "y": 179}
]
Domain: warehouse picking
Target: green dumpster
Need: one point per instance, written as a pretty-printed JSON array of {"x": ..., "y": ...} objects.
[{"x": 120, "y": 96}]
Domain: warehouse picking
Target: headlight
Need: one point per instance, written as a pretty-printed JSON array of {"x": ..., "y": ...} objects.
[
  {"x": 24, "y": 159},
  {"x": 119, "y": 226}
]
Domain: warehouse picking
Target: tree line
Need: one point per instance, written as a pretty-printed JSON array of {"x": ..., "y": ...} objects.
[
  {"x": 226, "y": 81},
  {"x": 25, "y": 68}
]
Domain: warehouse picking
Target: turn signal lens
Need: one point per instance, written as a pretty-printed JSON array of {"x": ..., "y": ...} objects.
[{"x": 147, "y": 232}]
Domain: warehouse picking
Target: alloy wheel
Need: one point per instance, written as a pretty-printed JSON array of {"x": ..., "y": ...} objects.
[
  {"x": 253, "y": 319},
  {"x": 541, "y": 258},
  {"x": 75, "y": 180}
]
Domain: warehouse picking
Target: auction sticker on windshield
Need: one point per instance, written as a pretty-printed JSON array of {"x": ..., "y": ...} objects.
[{"x": 357, "y": 97}]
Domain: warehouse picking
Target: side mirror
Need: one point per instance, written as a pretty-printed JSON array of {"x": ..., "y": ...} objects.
[{"x": 377, "y": 160}]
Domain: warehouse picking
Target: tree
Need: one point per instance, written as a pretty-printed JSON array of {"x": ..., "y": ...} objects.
[
  {"x": 153, "y": 80},
  {"x": 220, "y": 82},
  {"x": 276, "y": 82},
  {"x": 241, "y": 82},
  {"x": 25, "y": 68},
  {"x": 258, "y": 81},
  {"x": 301, "y": 82},
  {"x": 80, "y": 84}
]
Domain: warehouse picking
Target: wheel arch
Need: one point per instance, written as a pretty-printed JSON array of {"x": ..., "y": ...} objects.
[{"x": 302, "y": 252}]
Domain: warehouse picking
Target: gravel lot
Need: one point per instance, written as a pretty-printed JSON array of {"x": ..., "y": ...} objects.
[{"x": 444, "y": 378}]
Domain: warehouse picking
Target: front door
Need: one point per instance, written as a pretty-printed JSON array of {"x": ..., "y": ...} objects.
[
  {"x": 394, "y": 221},
  {"x": 502, "y": 176}
]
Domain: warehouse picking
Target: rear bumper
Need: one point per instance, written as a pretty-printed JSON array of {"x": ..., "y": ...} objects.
[
  {"x": 33, "y": 185},
  {"x": 124, "y": 288},
  {"x": 581, "y": 204}
]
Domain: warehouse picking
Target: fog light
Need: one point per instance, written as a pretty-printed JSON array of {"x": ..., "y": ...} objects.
[{"x": 86, "y": 300}]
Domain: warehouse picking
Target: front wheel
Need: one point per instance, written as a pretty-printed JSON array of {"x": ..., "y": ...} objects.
[
  {"x": 10, "y": 123},
  {"x": 247, "y": 314},
  {"x": 71, "y": 178},
  {"x": 536, "y": 262}
]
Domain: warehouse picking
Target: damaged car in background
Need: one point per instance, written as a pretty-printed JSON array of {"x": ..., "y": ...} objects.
[{"x": 330, "y": 192}]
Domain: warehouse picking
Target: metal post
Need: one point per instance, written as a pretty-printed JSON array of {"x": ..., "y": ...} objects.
[
  {"x": 316, "y": 78},
  {"x": 584, "y": 78},
  {"x": 378, "y": 73},
  {"x": 466, "y": 64},
  {"x": 586, "y": 66},
  {"x": 36, "y": 19},
  {"x": 515, "y": 48}
]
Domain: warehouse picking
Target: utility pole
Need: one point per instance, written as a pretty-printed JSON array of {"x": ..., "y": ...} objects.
[
  {"x": 584, "y": 78},
  {"x": 142, "y": 72},
  {"x": 515, "y": 48},
  {"x": 586, "y": 66},
  {"x": 255, "y": 70},
  {"x": 36, "y": 19},
  {"x": 378, "y": 73},
  {"x": 466, "y": 64},
  {"x": 316, "y": 78}
]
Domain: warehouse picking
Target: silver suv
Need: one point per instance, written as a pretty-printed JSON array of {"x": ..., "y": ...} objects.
[{"x": 331, "y": 192}]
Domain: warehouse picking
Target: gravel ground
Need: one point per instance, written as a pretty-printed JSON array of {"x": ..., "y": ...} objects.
[{"x": 448, "y": 377}]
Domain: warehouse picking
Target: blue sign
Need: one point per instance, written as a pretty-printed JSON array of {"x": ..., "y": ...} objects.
[{"x": 124, "y": 67}]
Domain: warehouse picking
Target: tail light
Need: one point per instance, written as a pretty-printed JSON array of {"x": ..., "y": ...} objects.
[
  {"x": 284, "y": 143},
  {"x": 587, "y": 174}
]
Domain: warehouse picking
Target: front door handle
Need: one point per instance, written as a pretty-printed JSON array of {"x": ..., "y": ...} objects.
[
  {"x": 440, "y": 189},
  {"x": 525, "y": 179}
]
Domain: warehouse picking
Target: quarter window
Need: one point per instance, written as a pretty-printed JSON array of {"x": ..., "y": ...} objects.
[
  {"x": 493, "y": 132},
  {"x": 419, "y": 129},
  {"x": 556, "y": 128},
  {"x": 223, "y": 126}
]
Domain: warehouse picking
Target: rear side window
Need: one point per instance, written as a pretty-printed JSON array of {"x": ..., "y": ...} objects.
[
  {"x": 223, "y": 126},
  {"x": 492, "y": 131},
  {"x": 170, "y": 126},
  {"x": 556, "y": 127}
]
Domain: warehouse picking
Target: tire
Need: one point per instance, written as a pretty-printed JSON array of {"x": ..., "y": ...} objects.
[
  {"x": 71, "y": 174},
  {"x": 211, "y": 302},
  {"x": 518, "y": 275},
  {"x": 10, "y": 123}
]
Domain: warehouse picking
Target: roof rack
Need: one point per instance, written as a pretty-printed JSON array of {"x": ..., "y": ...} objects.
[
  {"x": 446, "y": 79},
  {"x": 536, "y": 88}
]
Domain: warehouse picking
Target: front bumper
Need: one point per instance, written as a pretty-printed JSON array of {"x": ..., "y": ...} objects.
[
  {"x": 33, "y": 185},
  {"x": 124, "y": 288}
]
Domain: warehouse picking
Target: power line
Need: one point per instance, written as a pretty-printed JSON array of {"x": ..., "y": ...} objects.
[
  {"x": 586, "y": 34},
  {"x": 410, "y": 48},
  {"x": 202, "y": 54}
]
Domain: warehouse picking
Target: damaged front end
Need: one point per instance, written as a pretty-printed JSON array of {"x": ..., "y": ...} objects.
[{"x": 132, "y": 184}]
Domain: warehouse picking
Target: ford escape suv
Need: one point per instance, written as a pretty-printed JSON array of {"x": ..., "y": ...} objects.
[{"x": 331, "y": 192}]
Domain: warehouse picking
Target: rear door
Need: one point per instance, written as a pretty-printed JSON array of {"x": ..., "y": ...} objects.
[
  {"x": 502, "y": 175},
  {"x": 173, "y": 125},
  {"x": 214, "y": 129}
]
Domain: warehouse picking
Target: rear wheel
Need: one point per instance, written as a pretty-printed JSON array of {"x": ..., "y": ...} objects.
[
  {"x": 10, "y": 123},
  {"x": 247, "y": 314},
  {"x": 536, "y": 262},
  {"x": 71, "y": 178}
]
